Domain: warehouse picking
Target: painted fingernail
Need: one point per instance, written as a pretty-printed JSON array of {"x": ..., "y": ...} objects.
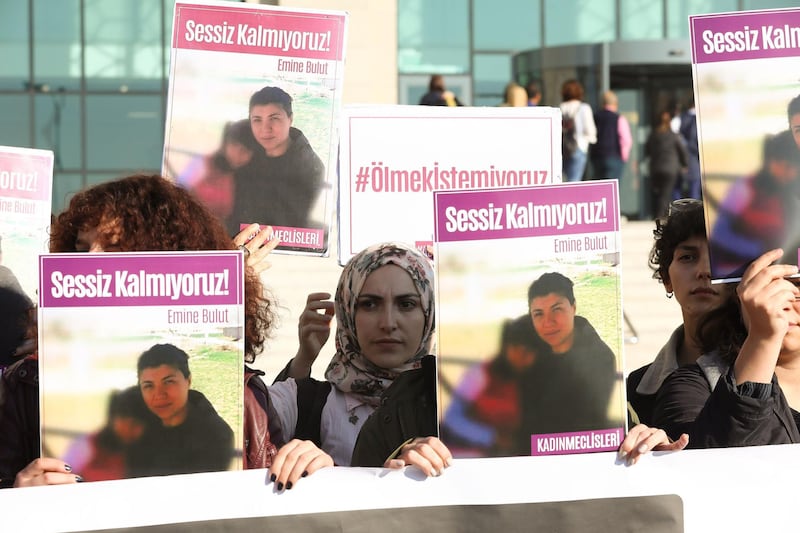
[
  {"x": 642, "y": 448},
  {"x": 79, "y": 479},
  {"x": 67, "y": 467},
  {"x": 622, "y": 454},
  {"x": 288, "y": 485},
  {"x": 448, "y": 462},
  {"x": 280, "y": 485},
  {"x": 304, "y": 474},
  {"x": 273, "y": 477}
]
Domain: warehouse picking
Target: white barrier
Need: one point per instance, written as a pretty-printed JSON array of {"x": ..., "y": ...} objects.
[{"x": 744, "y": 489}]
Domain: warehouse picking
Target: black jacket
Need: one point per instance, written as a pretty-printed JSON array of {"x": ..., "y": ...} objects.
[
  {"x": 748, "y": 415},
  {"x": 407, "y": 410},
  {"x": 19, "y": 418},
  {"x": 202, "y": 443},
  {"x": 570, "y": 391},
  {"x": 279, "y": 191}
]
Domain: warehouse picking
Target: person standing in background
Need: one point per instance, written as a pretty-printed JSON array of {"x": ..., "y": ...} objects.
[
  {"x": 514, "y": 96},
  {"x": 534, "y": 93},
  {"x": 438, "y": 95},
  {"x": 578, "y": 130},
  {"x": 667, "y": 159},
  {"x": 689, "y": 185},
  {"x": 610, "y": 153}
]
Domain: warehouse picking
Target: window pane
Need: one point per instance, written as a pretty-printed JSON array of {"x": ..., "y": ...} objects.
[
  {"x": 14, "y": 45},
  {"x": 433, "y": 37},
  {"x": 57, "y": 44},
  {"x": 767, "y": 4},
  {"x": 578, "y": 21},
  {"x": 641, "y": 19},
  {"x": 65, "y": 185},
  {"x": 124, "y": 132},
  {"x": 15, "y": 128},
  {"x": 57, "y": 126},
  {"x": 678, "y": 14},
  {"x": 508, "y": 25},
  {"x": 492, "y": 72},
  {"x": 123, "y": 44}
]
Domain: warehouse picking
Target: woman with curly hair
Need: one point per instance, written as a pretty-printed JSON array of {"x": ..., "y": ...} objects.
[
  {"x": 745, "y": 389},
  {"x": 137, "y": 213},
  {"x": 680, "y": 261}
]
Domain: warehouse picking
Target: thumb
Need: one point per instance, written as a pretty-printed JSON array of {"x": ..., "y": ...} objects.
[{"x": 394, "y": 464}]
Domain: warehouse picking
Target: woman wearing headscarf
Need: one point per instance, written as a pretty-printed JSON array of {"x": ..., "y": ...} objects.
[{"x": 385, "y": 320}]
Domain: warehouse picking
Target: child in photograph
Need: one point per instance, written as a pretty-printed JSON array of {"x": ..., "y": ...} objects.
[
  {"x": 101, "y": 456},
  {"x": 758, "y": 211},
  {"x": 211, "y": 177},
  {"x": 485, "y": 410}
]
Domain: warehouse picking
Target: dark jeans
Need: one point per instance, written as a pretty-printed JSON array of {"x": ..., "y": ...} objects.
[{"x": 607, "y": 167}]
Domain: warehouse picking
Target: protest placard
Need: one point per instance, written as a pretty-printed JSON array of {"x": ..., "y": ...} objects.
[
  {"x": 747, "y": 99},
  {"x": 394, "y": 157},
  {"x": 141, "y": 357},
  {"x": 253, "y": 105},
  {"x": 529, "y": 319}
]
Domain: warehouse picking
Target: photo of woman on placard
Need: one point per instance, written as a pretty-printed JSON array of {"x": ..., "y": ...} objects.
[{"x": 191, "y": 437}]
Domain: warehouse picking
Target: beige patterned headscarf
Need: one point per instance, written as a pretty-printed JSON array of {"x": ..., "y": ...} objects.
[{"x": 349, "y": 370}]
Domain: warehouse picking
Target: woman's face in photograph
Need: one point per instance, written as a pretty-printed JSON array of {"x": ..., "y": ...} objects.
[
  {"x": 166, "y": 393},
  {"x": 271, "y": 125},
  {"x": 554, "y": 320}
]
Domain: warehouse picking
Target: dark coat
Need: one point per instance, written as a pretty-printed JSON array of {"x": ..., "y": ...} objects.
[
  {"x": 752, "y": 414},
  {"x": 666, "y": 152},
  {"x": 641, "y": 404},
  {"x": 19, "y": 418},
  {"x": 279, "y": 191},
  {"x": 202, "y": 443},
  {"x": 407, "y": 410},
  {"x": 570, "y": 391}
]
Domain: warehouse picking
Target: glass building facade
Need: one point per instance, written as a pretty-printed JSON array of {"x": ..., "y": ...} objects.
[
  {"x": 473, "y": 42},
  {"x": 88, "y": 78}
]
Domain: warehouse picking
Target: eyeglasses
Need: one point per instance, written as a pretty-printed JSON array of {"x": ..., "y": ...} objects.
[{"x": 683, "y": 204}]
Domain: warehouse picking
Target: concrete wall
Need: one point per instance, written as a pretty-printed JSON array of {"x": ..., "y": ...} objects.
[{"x": 370, "y": 74}]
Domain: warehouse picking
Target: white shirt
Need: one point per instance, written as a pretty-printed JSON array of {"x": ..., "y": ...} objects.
[
  {"x": 585, "y": 128},
  {"x": 341, "y": 420}
]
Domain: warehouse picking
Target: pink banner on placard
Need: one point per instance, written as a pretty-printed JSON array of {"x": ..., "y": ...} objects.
[
  {"x": 258, "y": 31},
  {"x": 745, "y": 35},
  {"x": 295, "y": 237},
  {"x": 526, "y": 212},
  {"x": 26, "y": 175},
  {"x": 604, "y": 440},
  {"x": 189, "y": 278}
]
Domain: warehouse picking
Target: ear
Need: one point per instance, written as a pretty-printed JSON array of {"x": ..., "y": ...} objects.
[{"x": 667, "y": 284}]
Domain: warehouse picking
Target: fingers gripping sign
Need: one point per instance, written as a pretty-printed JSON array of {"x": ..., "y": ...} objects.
[
  {"x": 257, "y": 243},
  {"x": 429, "y": 454},
  {"x": 46, "y": 471},
  {"x": 642, "y": 439},
  {"x": 296, "y": 459}
]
